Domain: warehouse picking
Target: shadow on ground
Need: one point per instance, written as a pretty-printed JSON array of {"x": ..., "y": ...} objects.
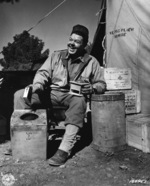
[{"x": 86, "y": 167}]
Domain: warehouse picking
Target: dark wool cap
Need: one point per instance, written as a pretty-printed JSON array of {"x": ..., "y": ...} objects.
[{"x": 82, "y": 31}]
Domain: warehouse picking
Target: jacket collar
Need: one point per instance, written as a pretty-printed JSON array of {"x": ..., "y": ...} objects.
[{"x": 86, "y": 57}]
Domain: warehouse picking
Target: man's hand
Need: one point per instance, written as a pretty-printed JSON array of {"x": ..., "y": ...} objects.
[
  {"x": 87, "y": 89},
  {"x": 33, "y": 87},
  {"x": 29, "y": 90}
]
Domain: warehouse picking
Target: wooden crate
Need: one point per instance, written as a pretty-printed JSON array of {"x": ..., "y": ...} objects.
[
  {"x": 138, "y": 131},
  {"x": 117, "y": 78},
  {"x": 132, "y": 101},
  {"x": 29, "y": 135}
]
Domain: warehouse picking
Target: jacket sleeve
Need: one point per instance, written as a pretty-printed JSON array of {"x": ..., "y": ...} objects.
[
  {"x": 43, "y": 75},
  {"x": 99, "y": 84}
]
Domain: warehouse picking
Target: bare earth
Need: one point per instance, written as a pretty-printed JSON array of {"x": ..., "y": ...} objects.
[{"x": 87, "y": 167}]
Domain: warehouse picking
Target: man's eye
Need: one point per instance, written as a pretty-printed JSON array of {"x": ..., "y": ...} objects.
[
  {"x": 70, "y": 39},
  {"x": 77, "y": 41}
]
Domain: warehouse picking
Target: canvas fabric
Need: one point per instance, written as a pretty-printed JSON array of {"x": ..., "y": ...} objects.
[{"x": 128, "y": 42}]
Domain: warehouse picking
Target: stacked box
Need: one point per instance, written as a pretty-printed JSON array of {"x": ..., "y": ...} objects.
[
  {"x": 29, "y": 135},
  {"x": 132, "y": 101},
  {"x": 138, "y": 131},
  {"x": 119, "y": 79}
]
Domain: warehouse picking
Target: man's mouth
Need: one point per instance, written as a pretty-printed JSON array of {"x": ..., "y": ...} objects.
[
  {"x": 71, "y": 46},
  {"x": 71, "y": 49}
]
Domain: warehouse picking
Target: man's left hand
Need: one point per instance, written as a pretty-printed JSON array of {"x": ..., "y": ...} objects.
[{"x": 87, "y": 89}]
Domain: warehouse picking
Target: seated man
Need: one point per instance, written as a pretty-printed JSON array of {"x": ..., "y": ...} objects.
[{"x": 62, "y": 67}]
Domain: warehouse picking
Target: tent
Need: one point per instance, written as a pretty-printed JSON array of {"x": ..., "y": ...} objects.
[{"x": 127, "y": 42}]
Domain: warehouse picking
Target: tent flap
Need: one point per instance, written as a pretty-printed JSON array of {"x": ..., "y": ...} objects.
[{"x": 128, "y": 42}]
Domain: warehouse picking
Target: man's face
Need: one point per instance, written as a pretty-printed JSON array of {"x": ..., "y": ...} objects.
[{"x": 75, "y": 44}]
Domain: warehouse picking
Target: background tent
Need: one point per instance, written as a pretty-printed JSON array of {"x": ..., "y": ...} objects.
[
  {"x": 97, "y": 47},
  {"x": 128, "y": 42}
]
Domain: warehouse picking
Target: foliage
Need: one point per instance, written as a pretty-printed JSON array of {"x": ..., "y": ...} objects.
[{"x": 25, "y": 52}]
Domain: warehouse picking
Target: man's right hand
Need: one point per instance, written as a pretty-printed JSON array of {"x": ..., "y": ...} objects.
[
  {"x": 27, "y": 94},
  {"x": 28, "y": 91},
  {"x": 33, "y": 87}
]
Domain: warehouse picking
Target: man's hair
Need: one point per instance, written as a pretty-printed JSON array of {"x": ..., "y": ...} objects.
[{"x": 82, "y": 31}]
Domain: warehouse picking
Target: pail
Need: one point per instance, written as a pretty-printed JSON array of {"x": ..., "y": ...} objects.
[
  {"x": 108, "y": 121},
  {"x": 3, "y": 127}
]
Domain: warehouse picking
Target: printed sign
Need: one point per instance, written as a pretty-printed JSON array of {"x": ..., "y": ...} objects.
[
  {"x": 132, "y": 101},
  {"x": 122, "y": 32},
  {"x": 117, "y": 79}
]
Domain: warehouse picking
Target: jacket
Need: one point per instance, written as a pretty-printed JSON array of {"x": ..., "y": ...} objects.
[{"x": 55, "y": 72}]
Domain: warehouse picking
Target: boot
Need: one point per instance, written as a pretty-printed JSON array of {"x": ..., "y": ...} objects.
[
  {"x": 59, "y": 158},
  {"x": 65, "y": 148}
]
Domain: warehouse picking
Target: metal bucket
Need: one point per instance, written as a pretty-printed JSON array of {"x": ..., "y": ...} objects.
[{"x": 108, "y": 121}]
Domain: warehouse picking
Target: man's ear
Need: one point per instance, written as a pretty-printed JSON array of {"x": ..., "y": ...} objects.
[{"x": 85, "y": 44}]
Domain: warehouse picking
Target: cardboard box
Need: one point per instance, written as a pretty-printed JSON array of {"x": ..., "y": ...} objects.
[
  {"x": 117, "y": 78},
  {"x": 138, "y": 131},
  {"x": 29, "y": 135}
]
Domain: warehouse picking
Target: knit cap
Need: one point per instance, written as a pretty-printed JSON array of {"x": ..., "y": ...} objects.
[{"x": 82, "y": 31}]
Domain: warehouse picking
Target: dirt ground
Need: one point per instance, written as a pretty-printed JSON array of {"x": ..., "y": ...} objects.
[{"x": 87, "y": 167}]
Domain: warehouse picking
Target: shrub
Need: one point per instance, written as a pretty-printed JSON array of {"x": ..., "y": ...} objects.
[{"x": 25, "y": 52}]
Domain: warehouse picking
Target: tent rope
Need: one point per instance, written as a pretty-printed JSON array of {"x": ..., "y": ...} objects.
[
  {"x": 104, "y": 48},
  {"x": 97, "y": 14},
  {"x": 46, "y": 16}
]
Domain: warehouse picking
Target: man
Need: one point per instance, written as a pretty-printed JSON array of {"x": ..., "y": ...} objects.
[{"x": 58, "y": 71}]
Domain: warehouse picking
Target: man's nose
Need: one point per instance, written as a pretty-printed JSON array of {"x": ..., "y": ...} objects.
[{"x": 72, "y": 42}]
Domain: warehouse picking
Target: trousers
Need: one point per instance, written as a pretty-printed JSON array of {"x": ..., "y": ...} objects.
[{"x": 76, "y": 105}]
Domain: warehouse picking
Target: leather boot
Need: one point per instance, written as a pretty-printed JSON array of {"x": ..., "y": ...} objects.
[
  {"x": 59, "y": 158},
  {"x": 64, "y": 150}
]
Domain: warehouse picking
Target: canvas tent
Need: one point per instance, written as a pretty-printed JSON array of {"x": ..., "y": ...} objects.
[{"x": 128, "y": 42}]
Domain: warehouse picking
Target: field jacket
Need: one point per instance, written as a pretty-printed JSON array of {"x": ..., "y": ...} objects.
[{"x": 55, "y": 72}]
